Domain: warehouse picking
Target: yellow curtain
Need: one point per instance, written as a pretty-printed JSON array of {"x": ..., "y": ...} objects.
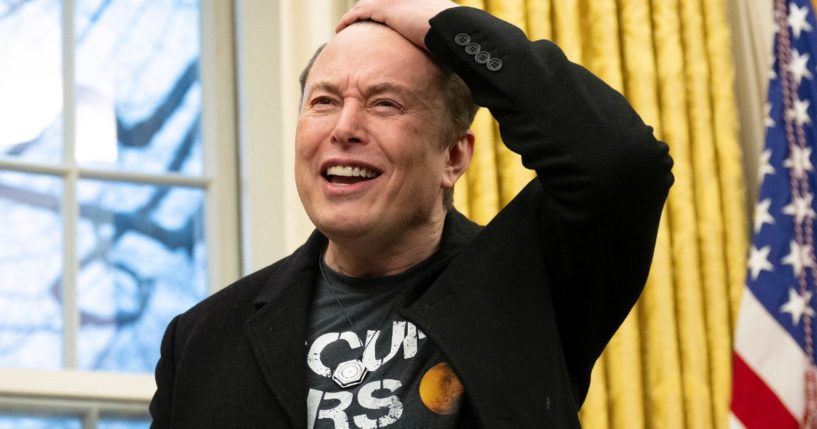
[{"x": 669, "y": 365}]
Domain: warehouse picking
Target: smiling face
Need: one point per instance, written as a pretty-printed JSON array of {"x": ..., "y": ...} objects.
[{"x": 369, "y": 160}]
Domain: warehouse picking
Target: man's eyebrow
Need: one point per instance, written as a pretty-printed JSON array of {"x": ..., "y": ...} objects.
[
  {"x": 369, "y": 91},
  {"x": 377, "y": 88},
  {"x": 406, "y": 93},
  {"x": 380, "y": 88},
  {"x": 323, "y": 85}
]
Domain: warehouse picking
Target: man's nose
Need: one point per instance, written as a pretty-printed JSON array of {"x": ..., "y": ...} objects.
[{"x": 350, "y": 127}]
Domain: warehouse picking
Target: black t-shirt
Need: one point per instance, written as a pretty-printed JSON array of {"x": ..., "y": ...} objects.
[{"x": 354, "y": 325}]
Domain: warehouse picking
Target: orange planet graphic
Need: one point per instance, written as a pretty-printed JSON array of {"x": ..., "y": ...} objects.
[{"x": 441, "y": 390}]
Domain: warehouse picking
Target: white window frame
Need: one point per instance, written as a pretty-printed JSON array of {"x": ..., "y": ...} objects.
[
  {"x": 89, "y": 393},
  {"x": 252, "y": 52}
]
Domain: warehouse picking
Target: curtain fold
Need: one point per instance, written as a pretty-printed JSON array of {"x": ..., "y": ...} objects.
[
  {"x": 729, "y": 156},
  {"x": 663, "y": 394},
  {"x": 594, "y": 413},
  {"x": 708, "y": 207},
  {"x": 601, "y": 54},
  {"x": 681, "y": 215},
  {"x": 669, "y": 365}
]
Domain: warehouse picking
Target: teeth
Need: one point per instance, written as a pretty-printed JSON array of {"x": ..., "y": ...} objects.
[{"x": 348, "y": 171}]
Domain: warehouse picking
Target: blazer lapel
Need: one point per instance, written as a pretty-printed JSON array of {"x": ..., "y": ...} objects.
[
  {"x": 490, "y": 314},
  {"x": 277, "y": 331}
]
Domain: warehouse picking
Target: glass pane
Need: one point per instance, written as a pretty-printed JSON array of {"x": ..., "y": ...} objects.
[
  {"x": 123, "y": 424},
  {"x": 32, "y": 422},
  {"x": 137, "y": 85},
  {"x": 31, "y": 87},
  {"x": 142, "y": 261},
  {"x": 30, "y": 271}
]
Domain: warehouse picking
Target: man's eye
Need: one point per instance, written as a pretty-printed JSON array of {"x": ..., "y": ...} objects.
[
  {"x": 324, "y": 104},
  {"x": 384, "y": 103}
]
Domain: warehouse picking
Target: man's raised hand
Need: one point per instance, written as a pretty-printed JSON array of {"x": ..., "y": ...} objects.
[{"x": 407, "y": 17}]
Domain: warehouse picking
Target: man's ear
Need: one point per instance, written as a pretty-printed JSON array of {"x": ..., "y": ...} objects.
[{"x": 458, "y": 158}]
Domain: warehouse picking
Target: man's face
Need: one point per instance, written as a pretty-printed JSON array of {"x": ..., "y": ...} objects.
[{"x": 368, "y": 160}]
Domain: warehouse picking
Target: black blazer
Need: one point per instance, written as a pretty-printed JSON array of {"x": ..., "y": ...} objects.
[{"x": 521, "y": 309}]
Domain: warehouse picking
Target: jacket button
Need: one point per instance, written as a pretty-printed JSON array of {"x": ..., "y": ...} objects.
[
  {"x": 472, "y": 48},
  {"x": 482, "y": 57},
  {"x": 462, "y": 39},
  {"x": 494, "y": 64}
]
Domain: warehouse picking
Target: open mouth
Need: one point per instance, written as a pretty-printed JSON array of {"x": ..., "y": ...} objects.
[{"x": 347, "y": 174}]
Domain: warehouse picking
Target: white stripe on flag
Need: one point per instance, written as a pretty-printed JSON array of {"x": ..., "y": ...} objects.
[
  {"x": 771, "y": 353},
  {"x": 734, "y": 423}
]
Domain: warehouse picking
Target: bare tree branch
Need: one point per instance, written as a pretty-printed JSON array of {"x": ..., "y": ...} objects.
[
  {"x": 142, "y": 133},
  {"x": 182, "y": 153},
  {"x": 93, "y": 19},
  {"x": 12, "y": 7}
]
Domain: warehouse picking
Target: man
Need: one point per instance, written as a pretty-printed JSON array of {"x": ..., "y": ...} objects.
[{"x": 398, "y": 312}]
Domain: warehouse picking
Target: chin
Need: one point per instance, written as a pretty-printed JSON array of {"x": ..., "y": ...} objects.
[{"x": 343, "y": 227}]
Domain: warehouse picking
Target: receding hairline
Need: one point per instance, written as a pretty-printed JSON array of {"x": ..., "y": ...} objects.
[
  {"x": 305, "y": 73},
  {"x": 374, "y": 24}
]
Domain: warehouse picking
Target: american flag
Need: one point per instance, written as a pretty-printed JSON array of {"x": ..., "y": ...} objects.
[{"x": 774, "y": 341}]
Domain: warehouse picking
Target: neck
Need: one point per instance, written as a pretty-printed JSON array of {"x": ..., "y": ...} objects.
[{"x": 384, "y": 256}]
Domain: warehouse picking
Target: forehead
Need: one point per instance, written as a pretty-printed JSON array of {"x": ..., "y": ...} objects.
[{"x": 369, "y": 54}]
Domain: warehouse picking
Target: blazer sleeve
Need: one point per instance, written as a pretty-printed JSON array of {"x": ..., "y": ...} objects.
[
  {"x": 160, "y": 405},
  {"x": 604, "y": 176}
]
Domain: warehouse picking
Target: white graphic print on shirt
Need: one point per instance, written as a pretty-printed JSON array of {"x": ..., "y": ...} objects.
[
  {"x": 396, "y": 366},
  {"x": 403, "y": 333}
]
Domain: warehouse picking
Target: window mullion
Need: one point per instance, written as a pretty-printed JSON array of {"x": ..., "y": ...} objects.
[
  {"x": 69, "y": 200},
  {"x": 219, "y": 135},
  {"x": 89, "y": 420}
]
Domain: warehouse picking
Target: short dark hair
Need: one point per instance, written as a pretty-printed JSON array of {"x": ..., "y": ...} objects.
[
  {"x": 457, "y": 99},
  {"x": 305, "y": 72}
]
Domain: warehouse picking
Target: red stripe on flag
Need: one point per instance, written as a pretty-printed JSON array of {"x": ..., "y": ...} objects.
[{"x": 753, "y": 403}]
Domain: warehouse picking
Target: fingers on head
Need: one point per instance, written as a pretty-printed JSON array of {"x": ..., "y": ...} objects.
[{"x": 362, "y": 10}]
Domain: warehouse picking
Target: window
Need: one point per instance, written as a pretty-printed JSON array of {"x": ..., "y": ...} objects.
[
  {"x": 117, "y": 179},
  {"x": 118, "y": 191}
]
